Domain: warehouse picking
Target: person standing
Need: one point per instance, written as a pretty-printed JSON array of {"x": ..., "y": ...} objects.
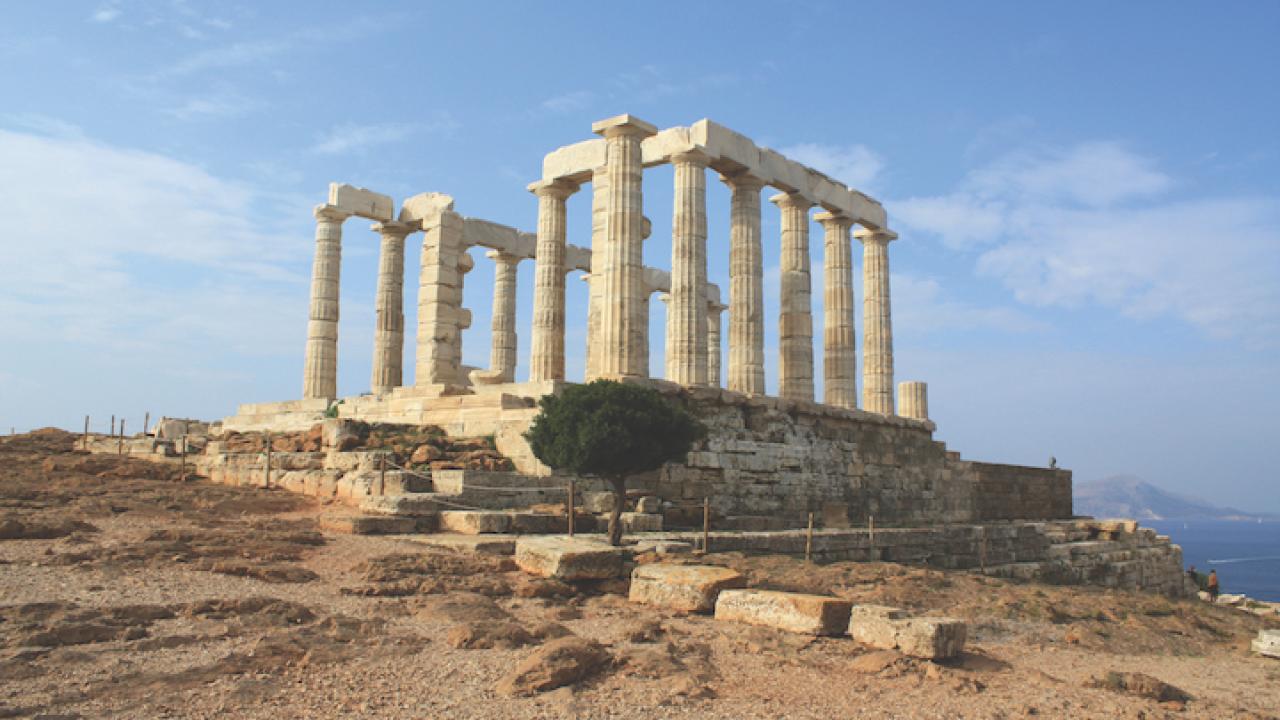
[{"x": 1212, "y": 586}]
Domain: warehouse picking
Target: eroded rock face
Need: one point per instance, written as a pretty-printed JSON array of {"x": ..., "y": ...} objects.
[
  {"x": 793, "y": 612},
  {"x": 684, "y": 588},
  {"x": 565, "y": 558},
  {"x": 558, "y": 663}
]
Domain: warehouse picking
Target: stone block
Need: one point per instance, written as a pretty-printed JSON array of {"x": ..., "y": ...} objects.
[
  {"x": 475, "y": 522},
  {"x": 597, "y": 502},
  {"x": 633, "y": 522},
  {"x": 649, "y": 504},
  {"x": 793, "y": 612},
  {"x": 566, "y": 558},
  {"x": 359, "y": 201},
  {"x": 685, "y": 588},
  {"x": 1267, "y": 643},
  {"x": 887, "y": 628}
]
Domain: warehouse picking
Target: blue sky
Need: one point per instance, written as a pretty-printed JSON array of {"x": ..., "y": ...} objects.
[{"x": 1087, "y": 196}]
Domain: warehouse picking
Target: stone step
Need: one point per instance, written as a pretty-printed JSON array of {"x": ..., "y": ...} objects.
[
  {"x": 569, "y": 558},
  {"x": 371, "y": 524},
  {"x": 793, "y": 612},
  {"x": 470, "y": 544}
]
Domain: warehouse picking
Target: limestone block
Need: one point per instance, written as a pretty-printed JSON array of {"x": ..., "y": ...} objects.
[
  {"x": 685, "y": 588},
  {"x": 475, "y": 522},
  {"x": 497, "y": 237},
  {"x": 566, "y": 558},
  {"x": 633, "y": 522},
  {"x": 573, "y": 161},
  {"x": 424, "y": 205},
  {"x": 649, "y": 504},
  {"x": 793, "y": 612},
  {"x": 597, "y": 502},
  {"x": 886, "y": 628},
  {"x": 359, "y": 201}
]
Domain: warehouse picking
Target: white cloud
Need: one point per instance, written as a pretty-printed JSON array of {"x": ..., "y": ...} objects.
[
  {"x": 221, "y": 106},
  {"x": 105, "y": 14},
  {"x": 352, "y": 137},
  {"x": 921, "y": 307},
  {"x": 568, "y": 102},
  {"x": 854, "y": 165},
  {"x": 1094, "y": 224}
]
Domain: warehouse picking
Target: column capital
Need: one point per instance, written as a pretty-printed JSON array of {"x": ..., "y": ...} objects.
[
  {"x": 692, "y": 156},
  {"x": 503, "y": 257},
  {"x": 880, "y": 235},
  {"x": 791, "y": 200},
  {"x": 330, "y": 213},
  {"x": 559, "y": 189},
  {"x": 391, "y": 227},
  {"x": 837, "y": 220},
  {"x": 621, "y": 125},
  {"x": 742, "y": 180}
]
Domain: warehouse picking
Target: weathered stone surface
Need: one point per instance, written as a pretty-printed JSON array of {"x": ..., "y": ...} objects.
[
  {"x": 1267, "y": 643},
  {"x": 887, "y": 628},
  {"x": 633, "y": 522},
  {"x": 558, "y": 663},
  {"x": 649, "y": 504},
  {"x": 793, "y": 612},
  {"x": 475, "y": 522},
  {"x": 566, "y": 558},
  {"x": 686, "y": 588}
]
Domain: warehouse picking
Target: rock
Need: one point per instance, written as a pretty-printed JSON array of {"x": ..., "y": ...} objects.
[
  {"x": 685, "y": 588},
  {"x": 652, "y": 663},
  {"x": 558, "y": 663},
  {"x": 475, "y": 522},
  {"x": 793, "y": 612},
  {"x": 634, "y": 522},
  {"x": 463, "y": 607},
  {"x": 342, "y": 434},
  {"x": 565, "y": 558},
  {"x": 649, "y": 504},
  {"x": 1267, "y": 643},
  {"x": 487, "y": 635},
  {"x": 874, "y": 662},
  {"x": 425, "y": 454},
  {"x": 1140, "y": 685},
  {"x": 886, "y": 628},
  {"x": 597, "y": 502},
  {"x": 644, "y": 631}
]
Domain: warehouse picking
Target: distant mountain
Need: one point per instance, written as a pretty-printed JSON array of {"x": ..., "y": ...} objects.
[{"x": 1131, "y": 497}]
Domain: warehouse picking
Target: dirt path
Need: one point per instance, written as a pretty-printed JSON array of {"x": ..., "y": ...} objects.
[{"x": 127, "y": 593}]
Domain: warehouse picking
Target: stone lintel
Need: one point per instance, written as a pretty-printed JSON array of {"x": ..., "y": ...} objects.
[
  {"x": 624, "y": 124},
  {"x": 360, "y": 201},
  {"x": 496, "y": 236},
  {"x": 393, "y": 227},
  {"x": 424, "y": 205}
]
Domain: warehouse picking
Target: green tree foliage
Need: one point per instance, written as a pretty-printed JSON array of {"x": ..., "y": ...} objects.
[{"x": 612, "y": 430}]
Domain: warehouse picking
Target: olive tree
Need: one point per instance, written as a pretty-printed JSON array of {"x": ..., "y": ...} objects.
[{"x": 611, "y": 430}]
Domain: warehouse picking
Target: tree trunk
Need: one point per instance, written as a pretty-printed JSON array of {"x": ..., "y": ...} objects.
[{"x": 615, "y": 516}]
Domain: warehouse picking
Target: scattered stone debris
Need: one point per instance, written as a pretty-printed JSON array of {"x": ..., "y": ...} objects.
[
  {"x": 558, "y": 663},
  {"x": 794, "y": 612},
  {"x": 1141, "y": 685},
  {"x": 684, "y": 588},
  {"x": 1267, "y": 643}
]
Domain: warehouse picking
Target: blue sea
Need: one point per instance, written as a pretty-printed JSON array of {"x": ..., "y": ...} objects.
[{"x": 1245, "y": 554}]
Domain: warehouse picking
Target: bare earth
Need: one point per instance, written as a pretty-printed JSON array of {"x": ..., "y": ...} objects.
[{"x": 126, "y": 592}]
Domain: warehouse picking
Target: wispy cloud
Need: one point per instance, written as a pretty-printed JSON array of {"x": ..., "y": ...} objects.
[
  {"x": 353, "y": 137},
  {"x": 854, "y": 165},
  {"x": 105, "y": 14},
  {"x": 568, "y": 102},
  {"x": 221, "y": 106}
]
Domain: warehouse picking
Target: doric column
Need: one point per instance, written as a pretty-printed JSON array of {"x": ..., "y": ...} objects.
[
  {"x": 714, "y": 309},
  {"x": 623, "y": 252},
  {"x": 599, "y": 208},
  {"x": 913, "y": 399},
  {"x": 388, "y": 334},
  {"x": 795, "y": 322},
  {"x": 320, "y": 367},
  {"x": 441, "y": 317},
  {"x": 502, "y": 353},
  {"x": 746, "y": 286},
  {"x": 877, "y": 332},
  {"x": 546, "y": 360},
  {"x": 687, "y": 314},
  {"x": 839, "y": 353}
]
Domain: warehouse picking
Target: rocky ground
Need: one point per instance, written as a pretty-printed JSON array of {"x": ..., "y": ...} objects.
[{"x": 126, "y": 591}]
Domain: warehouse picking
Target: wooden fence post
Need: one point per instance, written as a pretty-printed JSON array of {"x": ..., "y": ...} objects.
[
  {"x": 808, "y": 541},
  {"x": 572, "y": 510},
  {"x": 86, "y": 433},
  {"x": 267, "y": 476},
  {"x": 146, "y": 422},
  {"x": 120, "y": 440},
  {"x": 706, "y": 525}
]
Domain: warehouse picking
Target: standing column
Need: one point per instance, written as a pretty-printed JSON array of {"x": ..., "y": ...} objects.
[
  {"x": 795, "y": 322},
  {"x": 746, "y": 286},
  {"x": 546, "y": 360},
  {"x": 714, "y": 310},
  {"x": 687, "y": 314},
  {"x": 441, "y": 317},
  {"x": 623, "y": 252},
  {"x": 388, "y": 334},
  {"x": 877, "y": 338},
  {"x": 320, "y": 368},
  {"x": 502, "y": 353},
  {"x": 599, "y": 197},
  {"x": 840, "y": 354},
  {"x": 913, "y": 399}
]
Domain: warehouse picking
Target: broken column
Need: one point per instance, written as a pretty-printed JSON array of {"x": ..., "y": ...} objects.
[
  {"x": 388, "y": 337},
  {"x": 714, "y": 310},
  {"x": 839, "y": 353},
  {"x": 441, "y": 318},
  {"x": 623, "y": 251},
  {"x": 913, "y": 399},
  {"x": 746, "y": 286},
  {"x": 320, "y": 369},
  {"x": 877, "y": 338},
  {"x": 546, "y": 360},
  {"x": 686, "y": 353},
  {"x": 795, "y": 321}
]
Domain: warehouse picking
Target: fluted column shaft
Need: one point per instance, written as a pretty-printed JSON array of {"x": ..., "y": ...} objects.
[
  {"x": 320, "y": 367},
  {"x": 621, "y": 310},
  {"x": 913, "y": 399},
  {"x": 877, "y": 337},
  {"x": 839, "y": 353},
  {"x": 546, "y": 360},
  {"x": 714, "y": 311},
  {"x": 746, "y": 286},
  {"x": 599, "y": 207},
  {"x": 502, "y": 342},
  {"x": 686, "y": 354},
  {"x": 795, "y": 321},
  {"x": 388, "y": 335}
]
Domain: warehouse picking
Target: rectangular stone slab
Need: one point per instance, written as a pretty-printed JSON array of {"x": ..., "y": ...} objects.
[
  {"x": 793, "y": 612},
  {"x": 362, "y": 202},
  {"x": 1267, "y": 643},
  {"x": 566, "y": 558},
  {"x": 885, "y": 629},
  {"x": 685, "y": 588}
]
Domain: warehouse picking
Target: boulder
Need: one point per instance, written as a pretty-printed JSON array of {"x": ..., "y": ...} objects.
[
  {"x": 568, "y": 558},
  {"x": 1267, "y": 643},
  {"x": 888, "y": 628},
  {"x": 793, "y": 612},
  {"x": 560, "y": 662},
  {"x": 685, "y": 588},
  {"x": 425, "y": 454}
]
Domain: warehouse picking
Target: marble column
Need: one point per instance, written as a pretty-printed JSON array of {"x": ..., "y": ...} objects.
[
  {"x": 599, "y": 207},
  {"x": 913, "y": 399},
  {"x": 795, "y": 321},
  {"x": 502, "y": 352},
  {"x": 320, "y": 367},
  {"x": 714, "y": 310},
  {"x": 388, "y": 334},
  {"x": 546, "y": 361},
  {"x": 877, "y": 333},
  {"x": 623, "y": 252},
  {"x": 839, "y": 353},
  {"x": 686, "y": 354},
  {"x": 746, "y": 286}
]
